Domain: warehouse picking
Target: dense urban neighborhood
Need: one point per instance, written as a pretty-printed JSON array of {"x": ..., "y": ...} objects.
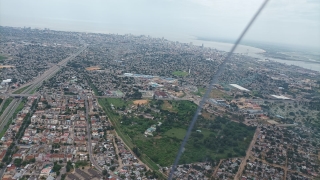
[{"x": 80, "y": 106}]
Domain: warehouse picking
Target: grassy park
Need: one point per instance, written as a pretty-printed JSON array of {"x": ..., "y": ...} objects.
[{"x": 180, "y": 73}]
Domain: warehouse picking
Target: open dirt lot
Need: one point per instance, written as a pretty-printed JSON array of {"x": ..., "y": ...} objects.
[
  {"x": 179, "y": 94},
  {"x": 142, "y": 101},
  {"x": 93, "y": 68},
  {"x": 273, "y": 122}
]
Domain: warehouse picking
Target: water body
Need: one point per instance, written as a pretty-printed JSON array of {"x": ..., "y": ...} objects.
[
  {"x": 221, "y": 46},
  {"x": 253, "y": 52},
  {"x": 307, "y": 65}
]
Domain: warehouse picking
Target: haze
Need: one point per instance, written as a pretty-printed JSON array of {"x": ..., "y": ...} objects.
[{"x": 293, "y": 22}]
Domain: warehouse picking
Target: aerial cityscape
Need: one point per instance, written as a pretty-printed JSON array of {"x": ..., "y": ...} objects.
[
  {"x": 160, "y": 90},
  {"x": 105, "y": 106}
]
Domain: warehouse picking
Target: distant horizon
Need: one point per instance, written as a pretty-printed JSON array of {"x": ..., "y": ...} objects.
[
  {"x": 285, "y": 22},
  {"x": 191, "y": 38}
]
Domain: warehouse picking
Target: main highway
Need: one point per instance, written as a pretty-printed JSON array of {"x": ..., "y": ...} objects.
[{"x": 8, "y": 112}]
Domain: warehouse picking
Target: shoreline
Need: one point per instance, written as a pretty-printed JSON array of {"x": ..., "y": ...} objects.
[{"x": 260, "y": 54}]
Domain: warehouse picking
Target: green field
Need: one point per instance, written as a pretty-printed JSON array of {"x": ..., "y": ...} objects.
[
  {"x": 21, "y": 90},
  {"x": 34, "y": 90},
  {"x": 215, "y": 93},
  {"x": 2, "y": 58},
  {"x": 118, "y": 103},
  {"x": 180, "y": 73},
  {"x": 200, "y": 91},
  {"x": 216, "y": 139},
  {"x": 176, "y": 133},
  {"x": 5, "y": 105}
]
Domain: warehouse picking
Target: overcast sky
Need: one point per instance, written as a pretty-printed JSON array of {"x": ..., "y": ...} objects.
[{"x": 295, "y": 22}]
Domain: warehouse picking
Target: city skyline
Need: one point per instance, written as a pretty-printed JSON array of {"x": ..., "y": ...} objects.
[{"x": 282, "y": 22}]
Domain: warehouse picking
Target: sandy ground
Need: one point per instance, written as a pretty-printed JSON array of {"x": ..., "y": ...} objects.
[
  {"x": 142, "y": 101},
  {"x": 179, "y": 94},
  {"x": 6, "y": 66},
  {"x": 272, "y": 122},
  {"x": 93, "y": 68}
]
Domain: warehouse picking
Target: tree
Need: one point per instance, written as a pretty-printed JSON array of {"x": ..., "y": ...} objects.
[
  {"x": 136, "y": 151},
  {"x": 69, "y": 166},
  {"x": 17, "y": 162},
  {"x": 56, "y": 167},
  {"x": 14, "y": 80},
  {"x": 158, "y": 129},
  {"x": 105, "y": 173}
]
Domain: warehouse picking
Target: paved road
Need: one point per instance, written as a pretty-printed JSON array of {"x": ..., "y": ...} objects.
[
  {"x": 93, "y": 161},
  {"x": 20, "y": 95}
]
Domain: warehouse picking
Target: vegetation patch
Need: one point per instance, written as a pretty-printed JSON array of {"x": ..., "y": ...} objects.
[
  {"x": 180, "y": 73},
  {"x": 176, "y": 133},
  {"x": 81, "y": 163},
  {"x": 209, "y": 140},
  {"x": 216, "y": 93},
  {"x": 5, "y": 105},
  {"x": 207, "y": 115},
  {"x": 21, "y": 90},
  {"x": 5, "y": 128},
  {"x": 200, "y": 92},
  {"x": 19, "y": 108},
  {"x": 168, "y": 106},
  {"x": 119, "y": 103},
  {"x": 2, "y": 58}
]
